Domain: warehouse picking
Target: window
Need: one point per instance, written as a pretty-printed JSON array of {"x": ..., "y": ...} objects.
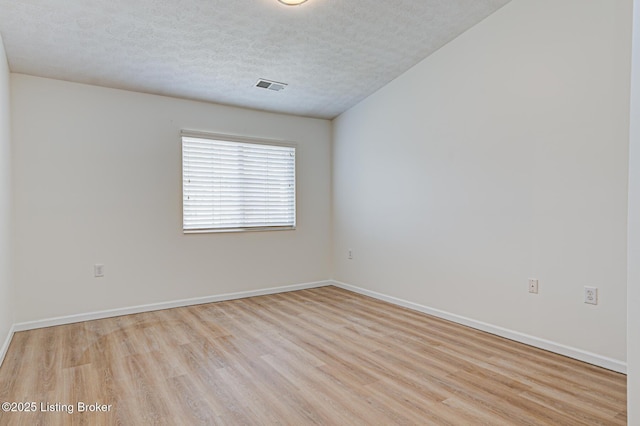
[{"x": 232, "y": 184}]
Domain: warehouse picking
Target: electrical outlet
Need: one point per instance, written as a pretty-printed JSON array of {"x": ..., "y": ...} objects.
[
  {"x": 350, "y": 254},
  {"x": 533, "y": 286},
  {"x": 98, "y": 271},
  {"x": 591, "y": 295}
]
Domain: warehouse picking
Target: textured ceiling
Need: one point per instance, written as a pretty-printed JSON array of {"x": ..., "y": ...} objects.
[{"x": 331, "y": 53}]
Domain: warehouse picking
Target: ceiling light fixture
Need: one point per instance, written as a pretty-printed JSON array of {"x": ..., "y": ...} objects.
[{"x": 292, "y": 2}]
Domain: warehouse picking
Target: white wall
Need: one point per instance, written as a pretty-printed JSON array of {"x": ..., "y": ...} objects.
[
  {"x": 6, "y": 285},
  {"x": 98, "y": 180},
  {"x": 501, "y": 157},
  {"x": 633, "y": 254}
]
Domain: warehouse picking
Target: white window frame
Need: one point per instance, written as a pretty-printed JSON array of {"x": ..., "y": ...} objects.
[{"x": 239, "y": 140}]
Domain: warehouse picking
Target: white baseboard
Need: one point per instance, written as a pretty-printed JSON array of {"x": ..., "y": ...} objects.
[
  {"x": 89, "y": 316},
  {"x": 592, "y": 358},
  {"x": 589, "y": 357},
  {"x": 7, "y": 342}
]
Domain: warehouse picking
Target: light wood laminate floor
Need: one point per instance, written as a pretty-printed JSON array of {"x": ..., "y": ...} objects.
[{"x": 321, "y": 356}]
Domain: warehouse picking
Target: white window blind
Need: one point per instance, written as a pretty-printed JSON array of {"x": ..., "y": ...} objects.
[{"x": 231, "y": 185}]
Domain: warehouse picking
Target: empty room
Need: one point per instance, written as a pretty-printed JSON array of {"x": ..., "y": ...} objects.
[{"x": 337, "y": 212}]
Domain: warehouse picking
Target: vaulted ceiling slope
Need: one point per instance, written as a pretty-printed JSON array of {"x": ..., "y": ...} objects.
[{"x": 331, "y": 53}]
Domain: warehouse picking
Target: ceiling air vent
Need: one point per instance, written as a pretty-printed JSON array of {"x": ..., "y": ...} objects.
[{"x": 271, "y": 85}]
